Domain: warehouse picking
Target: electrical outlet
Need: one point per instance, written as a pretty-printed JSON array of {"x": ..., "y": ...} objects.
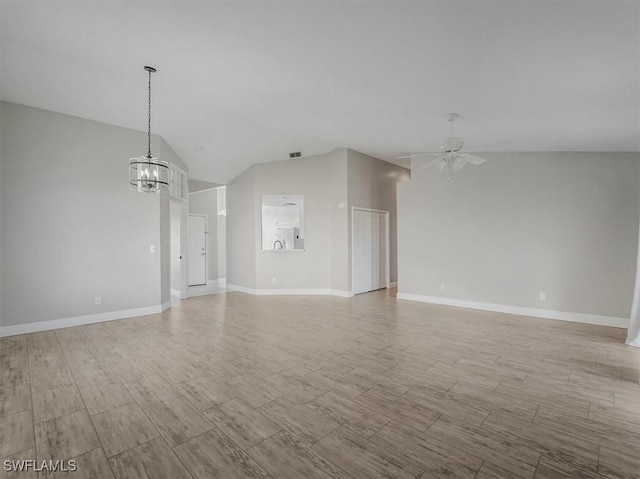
[
  {"x": 441, "y": 286},
  {"x": 98, "y": 300},
  {"x": 542, "y": 296},
  {"x": 152, "y": 248}
]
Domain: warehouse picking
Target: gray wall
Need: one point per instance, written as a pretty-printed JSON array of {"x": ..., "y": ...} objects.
[
  {"x": 72, "y": 228},
  {"x": 523, "y": 223},
  {"x": 206, "y": 203},
  {"x": 310, "y": 177},
  {"x": 164, "y": 249},
  {"x": 176, "y": 247},
  {"x": 339, "y": 222},
  {"x": 633, "y": 334},
  {"x": 222, "y": 232},
  {"x": 1, "y": 221},
  {"x": 331, "y": 184},
  {"x": 166, "y": 153},
  {"x": 322, "y": 181},
  {"x": 372, "y": 183},
  {"x": 199, "y": 185},
  {"x": 241, "y": 230}
]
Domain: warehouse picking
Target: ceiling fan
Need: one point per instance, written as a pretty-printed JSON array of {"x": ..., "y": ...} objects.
[{"x": 449, "y": 156}]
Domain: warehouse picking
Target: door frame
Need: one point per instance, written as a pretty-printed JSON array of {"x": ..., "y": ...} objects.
[
  {"x": 388, "y": 246},
  {"x": 178, "y": 224},
  {"x": 206, "y": 246}
]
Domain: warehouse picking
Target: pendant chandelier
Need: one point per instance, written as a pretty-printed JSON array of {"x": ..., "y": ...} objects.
[{"x": 146, "y": 173}]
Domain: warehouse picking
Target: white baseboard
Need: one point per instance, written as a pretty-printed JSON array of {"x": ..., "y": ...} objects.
[
  {"x": 521, "y": 311},
  {"x": 218, "y": 281},
  {"x": 240, "y": 289},
  {"x": 175, "y": 292},
  {"x": 81, "y": 320},
  {"x": 341, "y": 293},
  {"x": 284, "y": 292},
  {"x": 308, "y": 292}
]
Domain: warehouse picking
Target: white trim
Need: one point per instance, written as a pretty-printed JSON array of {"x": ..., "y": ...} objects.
[
  {"x": 206, "y": 189},
  {"x": 173, "y": 166},
  {"x": 290, "y": 292},
  {"x": 240, "y": 289},
  {"x": 362, "y": 208},
  {"x": 341, "y": 293},
  {"x": 81, "y": 320},
  {"x": 218, "y": 281},
  {"x": 521, "y": 311},
  {"x": 175, "y": 292},
  {"x": 185, "y": 183},
  {"x": 275, "y": 292}
]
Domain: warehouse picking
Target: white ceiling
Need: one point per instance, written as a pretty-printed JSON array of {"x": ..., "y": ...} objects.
[{"x": 241, "y": 83}]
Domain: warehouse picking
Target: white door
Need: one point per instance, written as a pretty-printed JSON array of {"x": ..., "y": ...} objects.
[
  {"x": 361, "y": 251},
  {"x": 370, "y": 250},
  {"x": 197, "y": 249}
]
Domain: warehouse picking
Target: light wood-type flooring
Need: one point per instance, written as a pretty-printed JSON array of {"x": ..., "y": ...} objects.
[{"x": 238, "y": 386}]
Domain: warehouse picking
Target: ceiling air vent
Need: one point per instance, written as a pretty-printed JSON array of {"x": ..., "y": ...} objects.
[{"x": 295, "y": 154}]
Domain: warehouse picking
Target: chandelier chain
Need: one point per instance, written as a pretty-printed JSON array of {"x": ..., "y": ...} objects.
[{"x": 149, "y": 129}]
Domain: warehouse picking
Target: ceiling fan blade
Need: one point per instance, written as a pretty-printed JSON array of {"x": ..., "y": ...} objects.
[
  {"x": 442, "y": 164},
  {"x": 475, "y": 160},
  {"x": 417, "y": 155},
  {"x": 431, "y": 163}
]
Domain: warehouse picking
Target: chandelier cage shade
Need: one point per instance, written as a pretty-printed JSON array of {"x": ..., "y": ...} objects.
[{"x": 148, "y": 174}]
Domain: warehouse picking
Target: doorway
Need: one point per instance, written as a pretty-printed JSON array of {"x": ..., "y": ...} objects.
[
  {"x": 197, "y": 238},
  {"x": 209, "y": 203},
  {"x": 370, "y": 249}
]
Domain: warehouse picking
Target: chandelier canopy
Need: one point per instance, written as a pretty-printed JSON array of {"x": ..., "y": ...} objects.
[{"x": 148, "y": 174}]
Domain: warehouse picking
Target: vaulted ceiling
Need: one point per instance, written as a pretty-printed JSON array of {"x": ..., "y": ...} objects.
[{"x": 241, "y": 83}]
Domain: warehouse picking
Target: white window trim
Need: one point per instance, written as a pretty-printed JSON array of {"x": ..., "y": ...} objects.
[{"x": 176, "y": 169}]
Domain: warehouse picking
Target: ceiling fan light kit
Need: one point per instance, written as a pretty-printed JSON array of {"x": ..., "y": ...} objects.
[
  {"x": 148, "y": 174},
  {"x": 453, "y": 160},
  {"x": 452, "y": 144}
]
